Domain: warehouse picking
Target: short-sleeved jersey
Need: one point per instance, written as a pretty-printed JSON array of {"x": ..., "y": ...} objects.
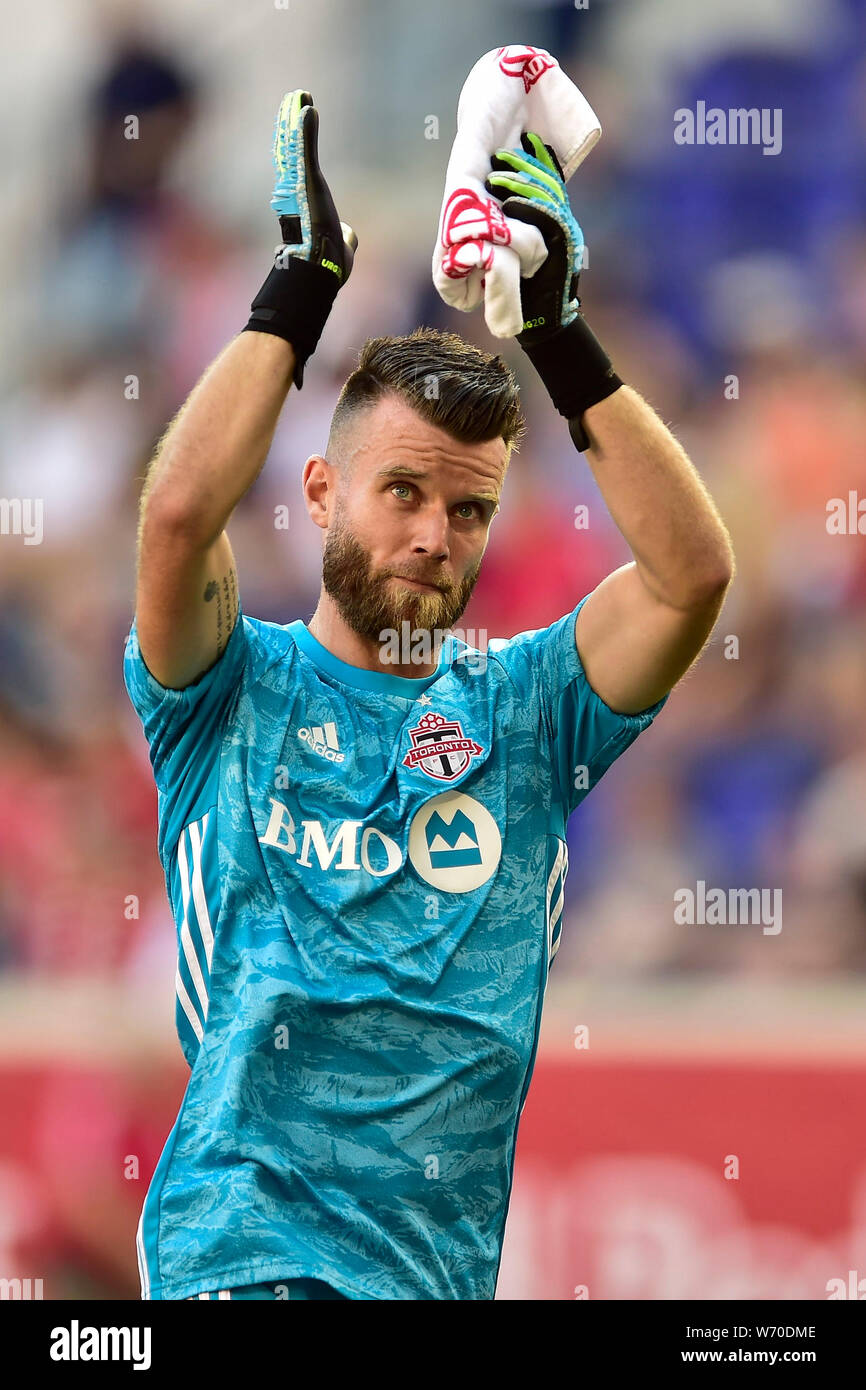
[{"x": 366, "y": 874}]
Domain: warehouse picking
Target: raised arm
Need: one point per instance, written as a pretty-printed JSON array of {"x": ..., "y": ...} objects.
[
  {"x": 644, "y": 625},
  {"x": 186, "y": 585},
  {"x": 215, "y": 448}
]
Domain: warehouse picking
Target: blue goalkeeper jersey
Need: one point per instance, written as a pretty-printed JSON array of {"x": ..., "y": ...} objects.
[{"x": 366, "y": 873}]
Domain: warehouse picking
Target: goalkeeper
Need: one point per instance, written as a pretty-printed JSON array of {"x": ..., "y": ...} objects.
[{"x": 366, "y": 859}]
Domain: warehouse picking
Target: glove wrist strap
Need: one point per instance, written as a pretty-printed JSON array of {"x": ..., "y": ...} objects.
[
  {"x": 575, "y": 370},
  {"x": 294, "y": 303}
]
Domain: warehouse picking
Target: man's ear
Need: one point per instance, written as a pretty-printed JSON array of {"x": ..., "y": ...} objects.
[{"x": 319, "y": 484}]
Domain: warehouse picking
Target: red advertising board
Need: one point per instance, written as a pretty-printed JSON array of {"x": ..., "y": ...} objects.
[
  {"x": 660, "y": 1179},
  {"x": 689, "y": 1180}
]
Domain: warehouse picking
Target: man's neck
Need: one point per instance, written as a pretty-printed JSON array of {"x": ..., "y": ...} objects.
[{"x": 331, "y": 630}]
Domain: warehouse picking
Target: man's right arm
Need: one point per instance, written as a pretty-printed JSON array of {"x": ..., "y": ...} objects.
[
  {"x": 186, "y": 585},
  {"x": 213, "y": 451}
]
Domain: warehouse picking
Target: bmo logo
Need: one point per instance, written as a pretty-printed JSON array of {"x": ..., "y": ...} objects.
[
  {"x": 454, "y": 843},
  {"x": 352, "y": 845}
]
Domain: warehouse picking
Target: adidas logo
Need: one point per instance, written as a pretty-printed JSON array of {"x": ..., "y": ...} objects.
[{"x": 322, "y": 739}]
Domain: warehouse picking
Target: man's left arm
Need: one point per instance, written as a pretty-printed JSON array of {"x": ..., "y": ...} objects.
[{"x": 645, "y": 624}]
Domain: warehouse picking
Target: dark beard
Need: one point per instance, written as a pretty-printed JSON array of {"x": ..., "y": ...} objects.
[{"x": 372, "y": 606}]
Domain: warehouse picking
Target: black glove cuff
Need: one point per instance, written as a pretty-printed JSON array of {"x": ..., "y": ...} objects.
[
  {"x": 294, "y": 303},
  {"x": 576, "y": 371}
]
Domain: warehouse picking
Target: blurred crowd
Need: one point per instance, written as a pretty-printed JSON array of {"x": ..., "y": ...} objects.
[{"x": 729, "y": 288}]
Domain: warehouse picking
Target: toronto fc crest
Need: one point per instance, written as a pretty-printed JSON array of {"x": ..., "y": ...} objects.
[{"x": 440, "y": 749}]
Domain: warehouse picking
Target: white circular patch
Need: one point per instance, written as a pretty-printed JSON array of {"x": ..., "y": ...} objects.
[{"x": 454, "y": 842}]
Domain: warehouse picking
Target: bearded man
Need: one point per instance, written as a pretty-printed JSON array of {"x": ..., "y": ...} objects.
[{"x": 366, "y": 857}]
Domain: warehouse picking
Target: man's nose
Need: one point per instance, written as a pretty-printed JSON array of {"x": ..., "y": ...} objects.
[{"x": 430, "y": 534}]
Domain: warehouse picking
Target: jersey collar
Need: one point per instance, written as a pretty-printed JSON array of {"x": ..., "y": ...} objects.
[{"x": 382, "y": 681}]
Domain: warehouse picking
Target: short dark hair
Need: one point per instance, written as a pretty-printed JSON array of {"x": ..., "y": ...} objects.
[{"x": 450, "y": 383}]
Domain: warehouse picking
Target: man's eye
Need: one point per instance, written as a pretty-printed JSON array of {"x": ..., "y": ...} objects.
[
  {"x": 407, "y": 491},
  {"x": 469, "y": 509}
]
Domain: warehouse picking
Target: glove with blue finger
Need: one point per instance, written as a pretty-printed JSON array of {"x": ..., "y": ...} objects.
[
  {"x": 556, "y": 338},
  {"x": 318, "y": 250}
]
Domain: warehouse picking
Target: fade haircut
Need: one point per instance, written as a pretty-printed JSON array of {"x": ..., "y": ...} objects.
[{"x": 459, "y": 388}]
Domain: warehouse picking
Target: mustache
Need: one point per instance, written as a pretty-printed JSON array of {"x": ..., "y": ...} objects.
[{"x": 436, "y": 580}]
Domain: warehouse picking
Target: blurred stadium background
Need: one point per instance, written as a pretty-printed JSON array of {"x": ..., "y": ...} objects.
[{"x": 126, "y": 265}]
